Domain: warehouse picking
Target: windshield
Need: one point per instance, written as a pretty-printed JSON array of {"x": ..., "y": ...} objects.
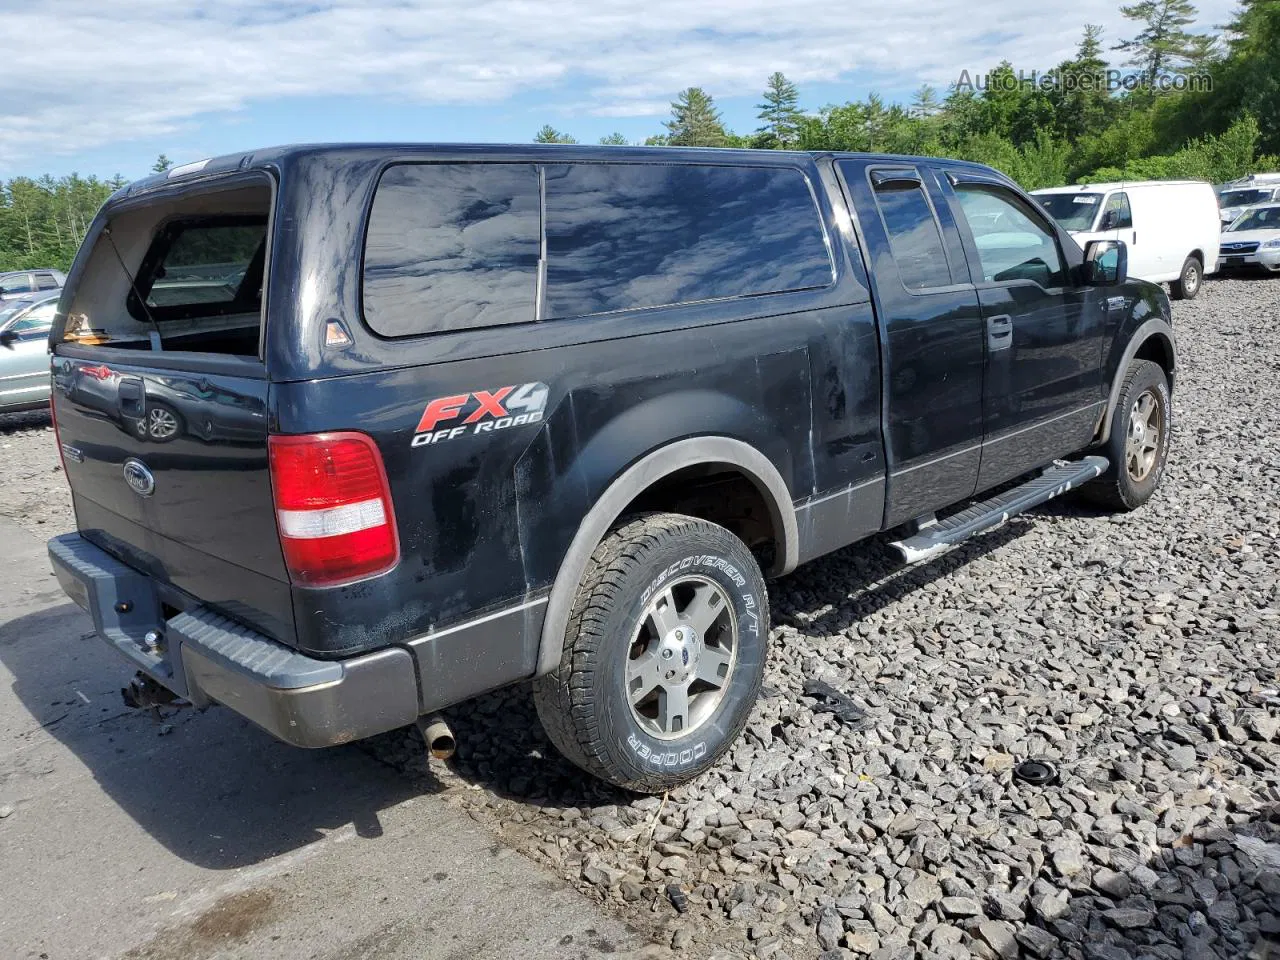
[
  {"x": 1075, "y": 211},
  {"x": 1243, "y": 198},
  {"x": 1264, "y": 218},
  {"x": 11, "y": 309}
]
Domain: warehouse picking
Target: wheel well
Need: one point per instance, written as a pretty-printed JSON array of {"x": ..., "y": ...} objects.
[
  {"x": 1159, "y": 351},
  {"x": 720, "y": 494},
  {"x": 1199, "y": 255}
]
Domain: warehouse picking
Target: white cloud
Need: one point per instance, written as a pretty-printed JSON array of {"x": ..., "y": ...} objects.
[{"x": 127, "y": 69}]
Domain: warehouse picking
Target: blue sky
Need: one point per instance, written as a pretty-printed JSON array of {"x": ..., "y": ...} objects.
[{"x": 135, "y": 78}]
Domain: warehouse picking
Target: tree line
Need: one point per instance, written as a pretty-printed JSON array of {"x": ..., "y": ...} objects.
[
  {"x": 1111, "y": 111},
  {"x": 1174, "y": 103}
]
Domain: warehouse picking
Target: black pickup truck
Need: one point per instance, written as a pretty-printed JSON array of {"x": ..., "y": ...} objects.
[{"x": 355, "y": 433}]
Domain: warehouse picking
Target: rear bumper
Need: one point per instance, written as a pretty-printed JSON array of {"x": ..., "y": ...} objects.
[{"x": 207, "y": 658}]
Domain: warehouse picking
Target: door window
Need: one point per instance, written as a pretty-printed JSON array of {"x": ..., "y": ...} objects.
[
  {"x": 36, "y": 323},
  {"x": 17, "y": 283},
  {"x": 1011, "y": 244},
  {"x": 914, "y": 235},
  {"x": 1116, "y": 214}
]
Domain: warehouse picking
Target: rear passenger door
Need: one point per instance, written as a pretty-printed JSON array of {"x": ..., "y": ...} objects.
[
  {"x": 931, "y": 332},
  {"x": 1042, "y": 393}
]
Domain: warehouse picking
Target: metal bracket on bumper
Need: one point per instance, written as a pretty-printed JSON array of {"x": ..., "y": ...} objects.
[{"x": 206, "y": 657}]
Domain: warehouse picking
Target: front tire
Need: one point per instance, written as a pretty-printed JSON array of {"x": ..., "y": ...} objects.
[
  {"x": 1189, "y": 280},
  {"x": 1138, "y": 447},
  {"x": 664, "y": 654}
]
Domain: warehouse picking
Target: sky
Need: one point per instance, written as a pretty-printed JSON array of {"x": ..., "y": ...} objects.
[{"x": 104, "y": 87}]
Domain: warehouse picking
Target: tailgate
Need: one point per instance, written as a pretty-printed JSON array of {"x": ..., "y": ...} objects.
[{"x": 168, "y": 471}]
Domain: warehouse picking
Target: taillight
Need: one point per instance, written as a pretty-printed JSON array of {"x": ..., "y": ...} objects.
[{"x": 333, "y": 507}]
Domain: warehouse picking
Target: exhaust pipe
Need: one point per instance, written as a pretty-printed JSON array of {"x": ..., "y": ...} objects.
[{"x": 437, "y": 736}]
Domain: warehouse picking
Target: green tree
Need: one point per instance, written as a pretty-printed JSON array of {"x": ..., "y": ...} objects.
[
  {"x": 926, "y": 102},
  {"x": 1083, "y": 107},
  {"x": 695, "y": 122},
  {"x": 1164, "y": 44},
  {"x": 614, "y": 140},
  {"x": 549, "y": 134},
  {"x": 162, "y": 164},
  {"x": 780, "y": 113}
]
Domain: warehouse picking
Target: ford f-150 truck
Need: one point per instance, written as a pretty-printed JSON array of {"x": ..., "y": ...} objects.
[{"x": 355, "y": 433}]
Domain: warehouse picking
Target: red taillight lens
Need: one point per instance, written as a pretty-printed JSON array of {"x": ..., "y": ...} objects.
[{"x": 333, "y": 507}]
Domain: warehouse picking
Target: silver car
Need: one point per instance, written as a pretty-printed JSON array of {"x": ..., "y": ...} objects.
[
  {"x": 24, "y": 350},
  {"x": 20, "y": 284}
]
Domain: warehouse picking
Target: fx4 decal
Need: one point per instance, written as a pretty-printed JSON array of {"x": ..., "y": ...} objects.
[{"x": 483, "y": 411}]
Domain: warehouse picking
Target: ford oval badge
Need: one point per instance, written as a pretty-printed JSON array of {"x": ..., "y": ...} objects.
[{"x": 139, "y": 477}]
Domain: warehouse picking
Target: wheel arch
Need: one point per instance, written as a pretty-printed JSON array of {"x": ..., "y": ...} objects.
[
  {"x": 712, "y": 455},
  {"x": 1152, "y": 341}
]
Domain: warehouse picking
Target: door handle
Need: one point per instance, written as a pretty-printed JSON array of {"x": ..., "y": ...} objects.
[{"x": 999, "y": 332}]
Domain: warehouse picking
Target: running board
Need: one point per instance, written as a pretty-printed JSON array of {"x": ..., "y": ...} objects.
[{"x": 942, "y": 535}]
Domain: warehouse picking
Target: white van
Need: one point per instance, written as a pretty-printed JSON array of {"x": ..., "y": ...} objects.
[{"x": 1171, "y": 227}]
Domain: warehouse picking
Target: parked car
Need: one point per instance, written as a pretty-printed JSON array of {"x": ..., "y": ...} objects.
[
  {"x": 1247, "y": 192},
  {"x": 1171, "y": 227},
  {"x": 21, "y": 283},
  {"x": 1253, "y": 240},
  {"x": 24, "y": 351},
  {"x": 555, "y": 412}
]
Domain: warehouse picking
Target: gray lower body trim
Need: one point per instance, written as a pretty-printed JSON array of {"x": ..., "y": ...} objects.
[
  {"x": 459, "y": 662},
  {"x": 835, "y": 520}
]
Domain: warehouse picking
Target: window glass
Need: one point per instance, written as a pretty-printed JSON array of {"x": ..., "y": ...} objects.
[
  {"x": 622, "y": 236},
  {"x": 1075, "y": 211},
  {"x": 202, "y": 267},
  {"x": 1263, "y": 218},
  {"x": 36, "y": 322},
  {"x": 914, "y": 235},
  {"x": 45, "y": 281},
  {"x": 1011, "y": 245},
  {"x": 1116, "y": 215},
  {"x": 16, "y": 283},
  {"x": 451, "y": 247}
]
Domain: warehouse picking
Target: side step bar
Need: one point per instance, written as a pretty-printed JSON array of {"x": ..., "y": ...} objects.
[{"x": 941, "y": 536}]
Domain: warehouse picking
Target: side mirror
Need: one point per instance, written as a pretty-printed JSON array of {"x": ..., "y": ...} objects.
[
  {"x": 1109, "y": 220},
  {"x": 1106, "y": 263},
  {"x": 8, "y": 338}
]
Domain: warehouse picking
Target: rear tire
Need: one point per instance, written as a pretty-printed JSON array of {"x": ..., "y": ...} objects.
[
  {"x": 1189, "y": 280},
  {"x": 1138, "y": 446},
  {"x": 663, "y": 656}
]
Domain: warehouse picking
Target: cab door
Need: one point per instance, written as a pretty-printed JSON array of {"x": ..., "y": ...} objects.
[
  {"x": 1042, "y": 393},
  {"x": 931, "y": 333}
]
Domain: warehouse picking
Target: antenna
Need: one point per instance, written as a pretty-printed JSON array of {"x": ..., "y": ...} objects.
[{"x": 156, "y": 344}]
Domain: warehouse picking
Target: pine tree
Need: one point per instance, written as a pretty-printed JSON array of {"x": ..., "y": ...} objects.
[
  {"x": 1163, "y": 44},
  {"x": 1082, "y": 103},
  {"x": 549, "y": 134},
  {"x": 926, "y": 102},
  {"x": 695, "y": 122},
  {"x": 162, "y": 164},
  {"x": 780, "y": 113},
  {"x": 614, "y": 140}
]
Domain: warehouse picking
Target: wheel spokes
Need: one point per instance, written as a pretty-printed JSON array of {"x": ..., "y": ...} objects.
[
  {"x": 713, "y": 667},
  {"x": 643, "y": 676},
  {"x": 663, "y": 614},
  {"x": 673, "y": 708},
  {"x": 704, "y": 609}
]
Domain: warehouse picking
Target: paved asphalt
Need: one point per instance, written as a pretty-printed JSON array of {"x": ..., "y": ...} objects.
[{"x": 214, "y": 840}]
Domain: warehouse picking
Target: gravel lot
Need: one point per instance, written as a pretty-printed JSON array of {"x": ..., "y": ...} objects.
[{"x": 1141, "y": 654}]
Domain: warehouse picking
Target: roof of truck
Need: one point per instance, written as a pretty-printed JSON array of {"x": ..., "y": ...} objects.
[
  {"x": 1120, "y": 185},
  {"x": 281, "y": 155}
]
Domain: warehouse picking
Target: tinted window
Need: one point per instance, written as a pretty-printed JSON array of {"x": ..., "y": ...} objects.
[
  {"x": 621, "y": 236},
  {"x": 1116, "y": 214},
  {"x": 1011, "y": 245},
  {"x": 914, "y": 235},
  {"x": 452, "y": 246},
  {"x": 45, "y": 281}
]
